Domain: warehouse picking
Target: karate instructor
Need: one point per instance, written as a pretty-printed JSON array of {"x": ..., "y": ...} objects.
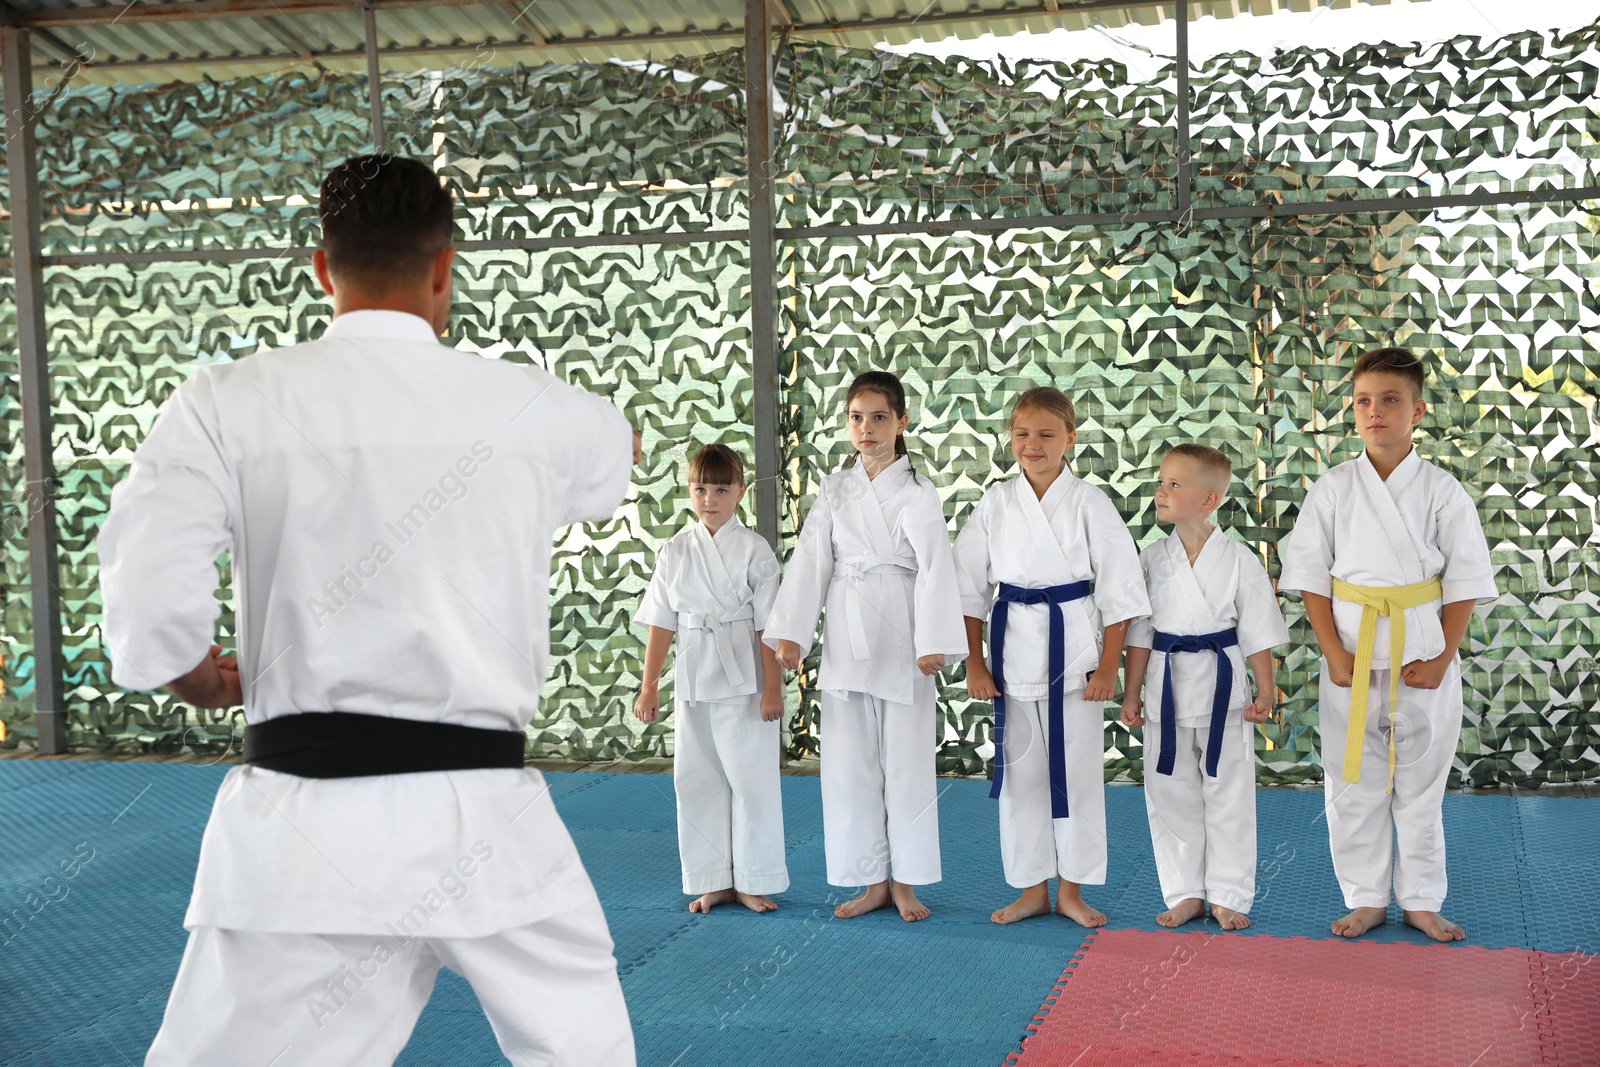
[{"x": 389, "y": 506}]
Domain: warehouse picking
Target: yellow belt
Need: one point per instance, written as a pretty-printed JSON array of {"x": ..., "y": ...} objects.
[{"x": 1377, "y": 601}]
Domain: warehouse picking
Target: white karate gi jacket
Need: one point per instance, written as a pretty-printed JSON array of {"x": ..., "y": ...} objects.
[
  {"x": 389, "y": 505},
  {"x": 1074, "y": 534},
  {"x": 1360, "y": 528},
  {"x": 715, "y": 593},
  {"x": 1227, "y": 587},
  {"x": 876, "y": 552}
]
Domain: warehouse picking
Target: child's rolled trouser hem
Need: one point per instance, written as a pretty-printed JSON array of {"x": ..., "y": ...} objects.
[
  {"x": 760, "y": 884},
  {"x": 1172, "y": 900},
  {"x": 708, "y": 883},
  {"x": 1366, "y": 900},
  {"x": 1231, "y": 901},
  {"x": 1419, "y": 904}
]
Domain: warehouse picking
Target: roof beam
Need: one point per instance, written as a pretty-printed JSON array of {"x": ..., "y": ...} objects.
[
  {"x": 204, "y": 10},
  {"x": 69, "y": 55},
  {"x": 519, "y": 17},
  {"x": 287, "y": 37}
]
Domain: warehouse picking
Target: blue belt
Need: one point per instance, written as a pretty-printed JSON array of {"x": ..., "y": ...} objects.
[
  {"x": 1219, "y": 643},
  {"x": 1055, "y": 596}
]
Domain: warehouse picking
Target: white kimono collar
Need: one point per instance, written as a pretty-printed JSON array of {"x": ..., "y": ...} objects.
[
  {"x": 394, "y": 325},
  {"x": 1212, "y": 546},
  {"x": 1403, "y": 473},
  {"x": 1052, "y": 496}
]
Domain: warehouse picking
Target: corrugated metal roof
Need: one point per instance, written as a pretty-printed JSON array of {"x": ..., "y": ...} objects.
[{"x": 419, "y": 37}]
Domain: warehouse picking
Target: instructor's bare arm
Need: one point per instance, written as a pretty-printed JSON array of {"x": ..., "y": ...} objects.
[
  {"x": 1102, "y": 684},
  {"x": 1133, "y": 687},
  {"x": 1340, "y": 660},
  {"x": 980, "y": 681},
  {"x": 771, "y": 684},
  {"x": 214, "y": 682},
  {"x": 655, "y": 657},
  {"x": 1428, "y": 673}
]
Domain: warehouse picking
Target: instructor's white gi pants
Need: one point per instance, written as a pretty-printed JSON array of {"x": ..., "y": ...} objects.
[
  {"x": 730, "y": 806},
  {"x": 245, "y": 998},
  {"x": 1364, "y": 823},
  {"x": 1203, "y": 828},
  {"x": 880, "y": 798},
  {"x": 1033, "y": 846}
]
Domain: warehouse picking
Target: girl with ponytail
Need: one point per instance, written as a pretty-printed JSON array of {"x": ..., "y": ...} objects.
[{"x": 875, "y": 552}]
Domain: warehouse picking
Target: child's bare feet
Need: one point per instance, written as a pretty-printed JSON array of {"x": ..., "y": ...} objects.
[
  {"x": 1359, "y": 921},
  {"x": 756, "y": 902},
  {"x": 1070, "y": 902},
  {"x": 905, "y": 899},
  {"x": 1229, "y": 919},
  {"x": 869, "y": 899},
  {"x": 1035, "y": 900},
  {"x": 1434, "y": 925},
  {"x": 1183, "y": 911},
  {"x": 706, "y": 902}
]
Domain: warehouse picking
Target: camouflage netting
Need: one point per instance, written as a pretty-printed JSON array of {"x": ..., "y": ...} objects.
[{"x": 1232, "y": 331}]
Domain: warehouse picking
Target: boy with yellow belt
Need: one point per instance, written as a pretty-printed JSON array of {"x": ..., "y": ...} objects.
[{"x": 1390, "y": 558}]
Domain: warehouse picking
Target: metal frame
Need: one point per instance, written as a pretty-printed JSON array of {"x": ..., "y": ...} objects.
[{"x": 762, "y": 235}]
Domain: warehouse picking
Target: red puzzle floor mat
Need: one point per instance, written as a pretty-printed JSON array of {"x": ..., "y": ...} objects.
[{"x": 1134, "y": 997}]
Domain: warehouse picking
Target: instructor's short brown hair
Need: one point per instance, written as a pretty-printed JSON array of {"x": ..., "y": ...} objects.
[
  {"x": 1392, "y": 361},
  {"x": 384, "y": 219}
]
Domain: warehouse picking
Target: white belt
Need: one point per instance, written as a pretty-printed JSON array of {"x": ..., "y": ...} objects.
[
  {"x": 721, "y": 636},
  {"x": 854, "y": 569}
]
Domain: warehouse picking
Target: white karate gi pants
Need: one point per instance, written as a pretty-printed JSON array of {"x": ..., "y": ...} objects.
[
  {"x": 549, "y": 989},
  {"x": 1033, "y": 846},
  {"x": 1203, "y": 828},
  {"x": 1364, "y": 823},
  {"x": 730, "y": 806},
  {"x": 880, "y": 797}
]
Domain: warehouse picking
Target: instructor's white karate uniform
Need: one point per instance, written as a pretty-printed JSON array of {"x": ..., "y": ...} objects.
[
  {"x": 1203, "y": 829},
  {"x": 876, "y": 552},
  {"x": 1074, "y": 534},
  {"x": 1417, "y": 524},
  {"x": 389, "y": 505},
  {"x": 715, "y": 593}
]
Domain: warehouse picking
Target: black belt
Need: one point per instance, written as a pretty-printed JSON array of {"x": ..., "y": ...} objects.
[{"x": 347, "y": 744}]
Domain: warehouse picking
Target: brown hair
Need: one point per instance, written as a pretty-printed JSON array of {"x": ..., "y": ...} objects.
[
  {"x": 384, "y": 219},
  {"x": 879, "y": 381},
  {"x": 716, "y": 465},
  {"x": 1392, "y": 361},
  {"x": 1049, "y": 399},
  {"x": 1213, "y": 461}
]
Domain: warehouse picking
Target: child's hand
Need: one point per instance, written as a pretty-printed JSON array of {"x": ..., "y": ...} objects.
[
  {"x": 648, "y": 705},
  {"x": 1258, "y": 710},
  {"x": 980, "y": 683},
  {"x": 1425, "y": 673},
  {"x": 788, "y": 655},
  {"x": 1102, "y": 685},
  {"x": 771, "y": 705},
  {"x": 1132, "y": 710},
  {"x": 1341, "y": 667},
  {"x": 930, "y": 664}
]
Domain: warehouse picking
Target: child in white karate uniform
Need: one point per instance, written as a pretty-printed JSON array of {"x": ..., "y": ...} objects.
[
  {"x": 1390, "y": 558},
  {"x": 1069, "y": 584},
  {"x": 713, "y": 587},
  {"x": 875, "y": 550},
  {"x": 1212, "y": 612}
]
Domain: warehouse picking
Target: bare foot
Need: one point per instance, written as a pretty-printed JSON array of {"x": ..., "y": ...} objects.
[
  {"x": 905, "y": 898},
  {"x": 1070, "y": 902},
  {"x": 1035, "y": 900},
  {"x": 1359, "y": 921},
  {"x": 756, "y": 902},
  {"x": 705, "y": 903},
  {"x": 1227, "y": 918},
  {"x": 869, "y": 899},
  {"x": 1183, "y": 911},
  {"x": 1434, "y": 925}
]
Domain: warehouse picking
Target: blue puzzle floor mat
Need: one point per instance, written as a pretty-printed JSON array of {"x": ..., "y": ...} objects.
[{"x": 86, "y": 964}]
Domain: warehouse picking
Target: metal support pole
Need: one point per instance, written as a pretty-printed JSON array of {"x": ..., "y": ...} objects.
[
  {"x": 369, "y": 18},
  {"x": 33, "y": 361},
  {"x": 1185, "y": 180},
  {"x": 763, "y": 268}
]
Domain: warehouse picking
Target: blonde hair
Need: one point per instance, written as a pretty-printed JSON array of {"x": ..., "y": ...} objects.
[
  {"x": 1212, "y": 461},
  {"x": 716, "y": 465},
  {"x": 1049, "y": 399}
]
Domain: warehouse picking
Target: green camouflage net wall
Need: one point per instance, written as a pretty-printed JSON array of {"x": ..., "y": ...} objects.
[{"x": 1229, "y": 330}]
